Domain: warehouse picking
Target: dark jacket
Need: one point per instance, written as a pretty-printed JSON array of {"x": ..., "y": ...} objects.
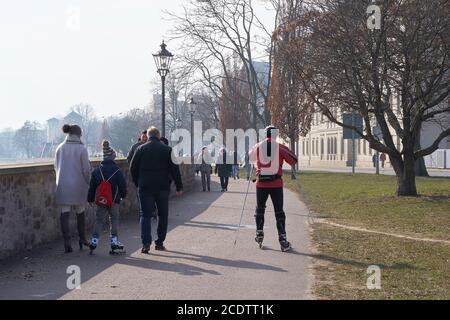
[
  {"x": 118, "y": 182},
  {"x": 152, "y": 166},
  {"x": 132, "y": 152},
  {"x": 222, "y": 167}
]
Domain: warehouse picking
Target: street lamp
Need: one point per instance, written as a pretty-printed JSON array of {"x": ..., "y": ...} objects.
[
  {"x": 163, "y": 59},
  {"x": 192, "y": 104}
]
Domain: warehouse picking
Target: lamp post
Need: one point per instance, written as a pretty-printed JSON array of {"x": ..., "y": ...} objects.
[
  {"x": 163, "y": 59},
  {"x": 192, "y": 104}
]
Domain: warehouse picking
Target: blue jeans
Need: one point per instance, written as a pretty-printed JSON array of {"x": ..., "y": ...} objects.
[{"x": 147, "y": 201}]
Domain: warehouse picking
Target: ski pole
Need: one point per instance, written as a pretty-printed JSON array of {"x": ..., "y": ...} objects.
[{"x": 243, "y": 207}]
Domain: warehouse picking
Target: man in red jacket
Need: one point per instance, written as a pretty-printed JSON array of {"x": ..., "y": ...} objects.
[{"x": 269, "y": 157}]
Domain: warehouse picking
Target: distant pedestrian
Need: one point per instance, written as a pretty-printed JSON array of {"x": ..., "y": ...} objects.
[
  {"x": 270, "y": 183},
  {"x": 374, "y": 160},
  {"x": 383, "y": 159},
  {"x": 205, "y": 168},
  {"x": 247, "y": 167},
  {"x": 150, "y": 169},
  {"x": 142, "y": 140},
  {"x": 107, "y": 204},
  {"x": 223, "y": 169},
  {"x": 73, "y": 170},
  {"x": 235, "y": 168}
]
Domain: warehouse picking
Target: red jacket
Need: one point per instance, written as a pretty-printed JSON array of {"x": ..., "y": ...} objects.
[{"x": 275, "y": 165}]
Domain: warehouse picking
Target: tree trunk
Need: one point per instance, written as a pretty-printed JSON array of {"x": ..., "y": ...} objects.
[
  {"x": 420, "y": 168},
  {"x": 406, "y": 176}
]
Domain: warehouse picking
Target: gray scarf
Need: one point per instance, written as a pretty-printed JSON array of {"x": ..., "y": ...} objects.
[{"x": 73, "y": 139}]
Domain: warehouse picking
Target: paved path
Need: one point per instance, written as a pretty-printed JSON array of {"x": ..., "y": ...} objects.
[{"x": 202, "y": 262}]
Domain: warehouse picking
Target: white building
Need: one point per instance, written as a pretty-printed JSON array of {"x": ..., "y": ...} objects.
[{"x": 325, "y": 147}]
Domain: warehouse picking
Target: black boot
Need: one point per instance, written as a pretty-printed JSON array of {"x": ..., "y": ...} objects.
[
  {"x": 81, "y": 224},
  {"x": 65, "y": 229}
]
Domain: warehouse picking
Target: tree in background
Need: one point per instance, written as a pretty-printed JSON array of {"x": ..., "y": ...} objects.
[
  {"x": 89, "y": 121},
  {"x": 234, "y": 110},
  {"x": 214, "y": 31},
  {"x": 396, "y": 77},
  {"x": 124, "y": 131},
  {"x": 290, "y": 106},
  {"x": 29, "y": 139}
]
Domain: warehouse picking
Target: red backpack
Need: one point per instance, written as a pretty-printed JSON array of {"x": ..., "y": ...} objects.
[{"x": 103, "y": 194}]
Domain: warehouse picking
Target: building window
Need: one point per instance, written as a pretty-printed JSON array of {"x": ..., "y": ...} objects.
[
  {"x": 307, "y": 148},
  {"x": 365, "y": 147},
  {"x": 303, "y": 147}
]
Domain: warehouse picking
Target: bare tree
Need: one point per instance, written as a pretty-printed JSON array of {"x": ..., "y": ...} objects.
[
  {"x": 212, "y": 32},
  {"x": 30, "y": 138},
  {"x": 88, "y": 122},
  {"x": 289, "y": 104},
  {"x": 397, "y": 77}
]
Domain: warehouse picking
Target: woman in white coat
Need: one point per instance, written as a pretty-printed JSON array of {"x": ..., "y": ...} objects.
[{"x": 73, "y": 171}]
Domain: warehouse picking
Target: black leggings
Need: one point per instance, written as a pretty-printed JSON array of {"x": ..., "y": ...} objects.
[{"x": 276, "y": 194}]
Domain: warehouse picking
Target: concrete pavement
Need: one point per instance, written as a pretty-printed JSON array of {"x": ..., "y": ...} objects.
[{"x": 201, "y": 262}]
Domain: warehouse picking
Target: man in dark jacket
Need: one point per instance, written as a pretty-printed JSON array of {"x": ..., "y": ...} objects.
[
  {"x": 142, "y": 140},
  {"x": 223, "y": 169},
  {"x": 150, "y": 169},
  {"x": 107, "y": 171}
]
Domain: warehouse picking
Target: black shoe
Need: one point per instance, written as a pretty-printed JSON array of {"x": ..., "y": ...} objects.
[
  {"x": 83, "y": 243},
  {"x": 160, "y": 247},
  {"x": 68, "y": 249},
  {"x": 145, "y": 249}
]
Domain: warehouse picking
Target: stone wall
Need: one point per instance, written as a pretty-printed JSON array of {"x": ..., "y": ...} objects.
[{"x": 28, "y": 214}]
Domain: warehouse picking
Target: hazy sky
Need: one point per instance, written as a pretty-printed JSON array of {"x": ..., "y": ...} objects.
[{"x": 52, "y": 58}]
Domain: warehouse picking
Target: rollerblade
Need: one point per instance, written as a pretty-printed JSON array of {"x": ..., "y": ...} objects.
[
  {"x": 260, "y": 238},
  {"x": 117, "y": 248},
  {"x": 285, "y": 245},
  {"x": 93, "y": 245}
]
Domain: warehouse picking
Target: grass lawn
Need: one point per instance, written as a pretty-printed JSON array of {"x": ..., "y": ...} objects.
[{"x": 410, "y": 269}]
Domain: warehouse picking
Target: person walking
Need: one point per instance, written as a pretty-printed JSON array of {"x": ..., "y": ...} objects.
[
  {"x": 223, "y": 169},
  {"x": 150, "y": 169},
  {"x": 143, "y": 139},
  {"x": 247, "y": 167},
  {"x": 383, "y": 159},
  {"x": 374, "y": 160},
  {"x": 107, "y": 204},
  {"x": 204, "y": 164},
  {"x": 269, "y": 171},
  {"x": 73, "y": 171},
  {"x": 236, "y": 166}
]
